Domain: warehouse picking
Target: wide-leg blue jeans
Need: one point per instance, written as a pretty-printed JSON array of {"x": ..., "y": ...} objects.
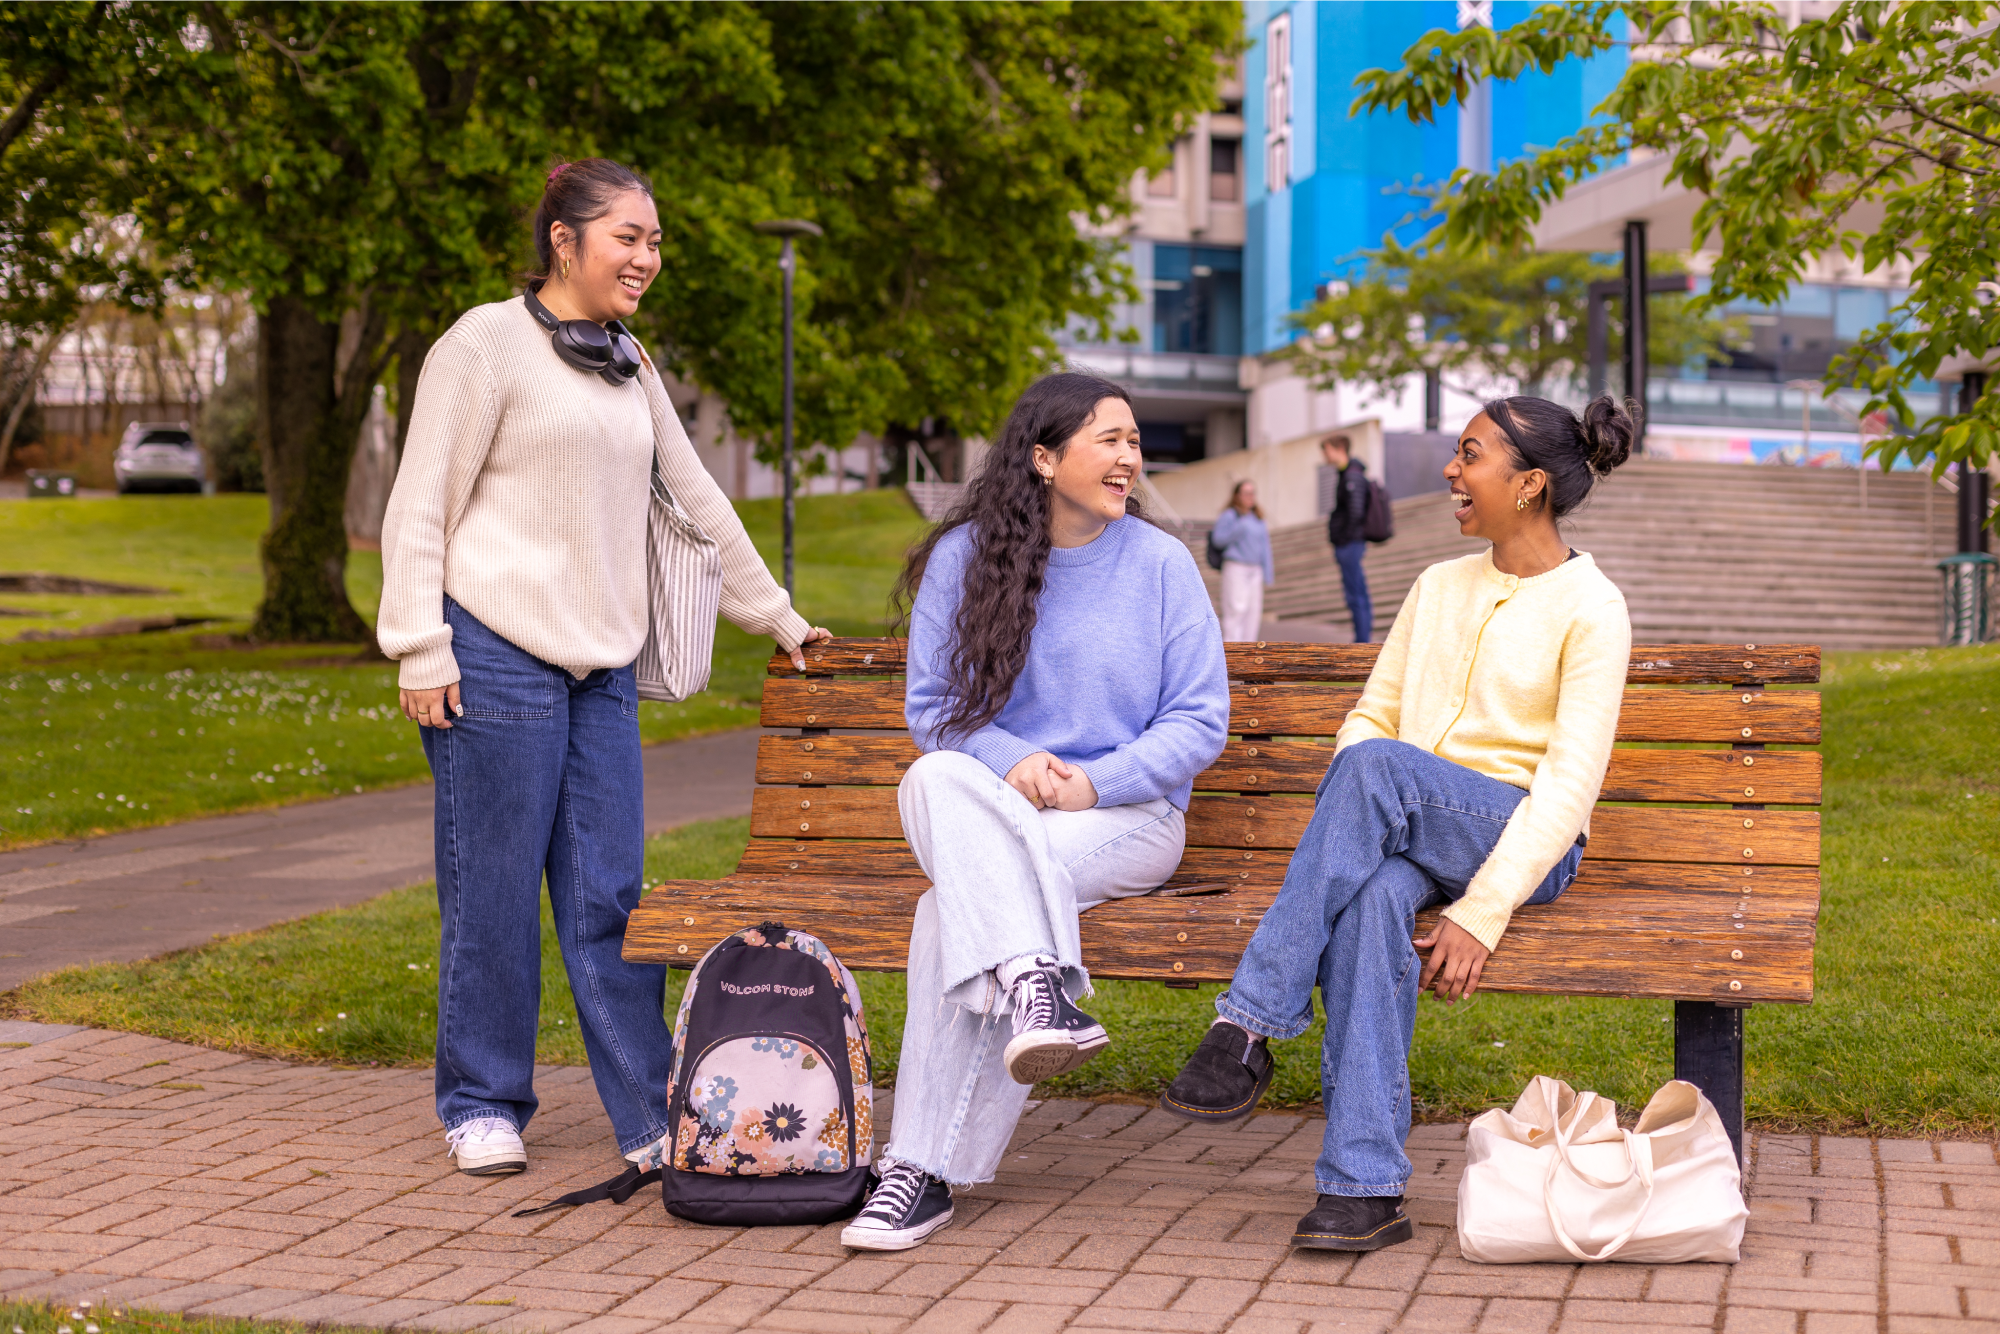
[
  {"x": 1394, "y": 830},
  {"x": 541, "y": 776}
]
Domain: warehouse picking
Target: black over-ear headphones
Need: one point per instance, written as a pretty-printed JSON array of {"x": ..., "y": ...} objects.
[{"x": 604, "y": 350}]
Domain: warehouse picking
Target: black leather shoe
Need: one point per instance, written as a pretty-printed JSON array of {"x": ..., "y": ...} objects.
[
  {"x": 1354, "y": 1223},
  {"x": 1224, "y": 1078}
]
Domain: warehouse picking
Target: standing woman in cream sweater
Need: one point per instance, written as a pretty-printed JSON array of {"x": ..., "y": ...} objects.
[
  {"x": 1466, "y": 773},
  {"x": 514, "y": 597}
]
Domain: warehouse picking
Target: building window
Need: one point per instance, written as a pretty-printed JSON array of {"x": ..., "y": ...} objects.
[
  {"x": 1278, "y": 103},
  {"x": 1222, "y": 158},
  {"x": 1198, "y": 299},
  {"x": 1161, "y": 184}
]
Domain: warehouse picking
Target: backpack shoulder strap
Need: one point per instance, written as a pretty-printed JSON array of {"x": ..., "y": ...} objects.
[{"x": 617, "y": 1190}]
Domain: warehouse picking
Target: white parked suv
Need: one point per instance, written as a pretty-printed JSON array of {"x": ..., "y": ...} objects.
[{"x": 158, "y": 456}]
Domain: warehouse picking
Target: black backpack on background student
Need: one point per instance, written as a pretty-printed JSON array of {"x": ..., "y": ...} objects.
[{"x": 771, "y": 1100}]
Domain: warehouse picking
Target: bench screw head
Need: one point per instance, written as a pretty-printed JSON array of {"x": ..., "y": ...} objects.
[
  {"x": 1178, "y": 967},
  {"x": 1746, "y": 731},
  {"x": 1749, "y": 760},
  {"x": 1747, "y": 699},
  {"x": 1252, "y": 752},
  {"x": 682, "y": 950},
  {"x": 1181, "y": 936},
  {"x": 1736, "y": 986},
  {"x": 805, "y": 745},
  {"x": 1748, "y": 853},
  {"x": 803, "y": 826},
  {"x": 1749, "y": 824},
  {"x": 1749, "y": 791},
  {"x": 812, "y": 689},
  {"x": 1736, "y": 954},
  {"x": 806, "y": 777},
  {"x": 687, "y": 921}
]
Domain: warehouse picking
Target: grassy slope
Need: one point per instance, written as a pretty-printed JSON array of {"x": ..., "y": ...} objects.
[
  {"x": 1901, "y": 1039},
  {"x": 167, "y": 729}
]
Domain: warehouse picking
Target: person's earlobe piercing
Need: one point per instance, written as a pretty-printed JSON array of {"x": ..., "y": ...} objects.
[{"x": 1521, "y": 503}]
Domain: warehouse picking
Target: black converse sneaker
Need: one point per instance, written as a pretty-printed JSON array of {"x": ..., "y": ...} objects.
[
  {"x": 1051, "y": 1036},
  {"x": 906, "y": 1207}
]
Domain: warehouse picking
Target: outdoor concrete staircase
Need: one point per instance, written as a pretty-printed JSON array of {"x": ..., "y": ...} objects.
[{"x": 1712, "y": 553}]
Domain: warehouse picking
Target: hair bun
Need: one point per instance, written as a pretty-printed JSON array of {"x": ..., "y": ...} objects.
[{"x": 1607, "y": 433}]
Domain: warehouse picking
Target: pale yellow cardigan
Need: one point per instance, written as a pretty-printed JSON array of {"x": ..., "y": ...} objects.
[{"x": 1518, "y": 679}]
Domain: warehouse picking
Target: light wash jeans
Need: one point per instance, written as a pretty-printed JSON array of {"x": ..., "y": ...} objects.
[
  {"x": 541, "y": 776},
  {"x": 1395, "y": 829},
  {"x": 1007, "y": 880}
]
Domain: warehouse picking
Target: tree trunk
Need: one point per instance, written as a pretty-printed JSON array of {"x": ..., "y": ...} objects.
[
  {"x": 308, "y": 420},
  {"x": 26, "y": 395},
  {"x": 412, "y": 346}
]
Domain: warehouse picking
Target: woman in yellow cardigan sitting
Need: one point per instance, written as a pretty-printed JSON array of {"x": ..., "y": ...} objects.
[{"x": 1466, "y": 773}]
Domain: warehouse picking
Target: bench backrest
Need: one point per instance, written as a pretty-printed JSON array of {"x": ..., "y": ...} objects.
[{"x": 1700, "y": 881}]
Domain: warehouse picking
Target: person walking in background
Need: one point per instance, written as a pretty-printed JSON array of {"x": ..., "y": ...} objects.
[
  {"x": 1346, "y": 529},
  {"x": 514, "y": 598},
  {"x": 1246, "y": 563}
]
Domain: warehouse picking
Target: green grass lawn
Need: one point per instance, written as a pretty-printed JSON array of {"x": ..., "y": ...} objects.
[
  {"x": 1901, "y": 1038},
  {"x": 118, "y": 1318},
  {"x": 104, "y": 734}
]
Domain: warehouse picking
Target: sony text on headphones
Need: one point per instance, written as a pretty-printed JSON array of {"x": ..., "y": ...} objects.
[{"x": 603, "y": 350}]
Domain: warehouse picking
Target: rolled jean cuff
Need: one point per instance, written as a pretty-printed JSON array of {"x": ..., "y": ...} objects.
[
  {"x": 1349, "y": 1190},
  {"x": 1258, "y": 1021},
  {"x": 644, "y": 1141},
  {"x": 480, "y": 1114}
]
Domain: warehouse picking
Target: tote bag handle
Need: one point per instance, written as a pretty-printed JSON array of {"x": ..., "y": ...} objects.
[{"x": 1639, "y": 1148}]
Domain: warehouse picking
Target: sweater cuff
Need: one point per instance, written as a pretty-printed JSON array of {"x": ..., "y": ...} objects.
[
  {"x": 427, "y": 668},
  {"x": 1485, "y": 924},
  {"x": 790, "y": 630},
  {"x": 1116, "y": 778},
  {"x": 998, "y": 750}
]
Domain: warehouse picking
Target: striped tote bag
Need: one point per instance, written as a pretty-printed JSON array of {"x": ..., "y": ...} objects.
[{"x": 683, "y": 593}]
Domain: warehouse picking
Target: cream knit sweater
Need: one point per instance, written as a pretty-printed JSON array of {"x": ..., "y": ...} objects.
[
  {"x": 523, "y": 495},
  {"x": 1518, "y": 679}
]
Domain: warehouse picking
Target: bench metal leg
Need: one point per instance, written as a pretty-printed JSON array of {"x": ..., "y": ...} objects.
[{"x": 1708, "y": 1053}]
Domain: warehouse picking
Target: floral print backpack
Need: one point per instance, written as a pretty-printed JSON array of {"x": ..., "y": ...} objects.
[{"x": 772, "y": 1097}]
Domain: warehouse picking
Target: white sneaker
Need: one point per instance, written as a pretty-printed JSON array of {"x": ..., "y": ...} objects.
[
  {"x": 487, "y": 1146},
  {"x": 652, "y": 1156}
]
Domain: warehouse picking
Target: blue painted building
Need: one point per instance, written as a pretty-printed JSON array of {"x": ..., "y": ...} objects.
[{"x": 1321, "y": 186}]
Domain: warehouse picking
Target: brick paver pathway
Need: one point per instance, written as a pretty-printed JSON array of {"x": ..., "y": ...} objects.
[{"x": 177, "y": 1178}]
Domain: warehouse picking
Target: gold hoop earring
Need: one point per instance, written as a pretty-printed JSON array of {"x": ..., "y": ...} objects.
[
  {"x": 1521, "y": 502},
  {"x": 565, "y": 270}
]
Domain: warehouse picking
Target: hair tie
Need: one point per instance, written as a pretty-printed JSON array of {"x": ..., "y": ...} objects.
[{"x": 556, "y": 171}]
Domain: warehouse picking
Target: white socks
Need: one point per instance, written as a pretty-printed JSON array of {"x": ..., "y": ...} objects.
[{"x": 1010, "y": 972}]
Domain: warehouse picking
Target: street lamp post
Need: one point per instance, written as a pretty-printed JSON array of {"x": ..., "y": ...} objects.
[{"x": 788, "y": 228}]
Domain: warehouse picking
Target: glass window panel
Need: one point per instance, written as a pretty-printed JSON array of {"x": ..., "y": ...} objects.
[{"x": 1857, "y": 310}]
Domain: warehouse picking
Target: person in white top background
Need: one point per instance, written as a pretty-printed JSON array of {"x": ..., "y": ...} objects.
[
  {"x": 1246, "y": 562},
  {"x": 515, "y": 601}
]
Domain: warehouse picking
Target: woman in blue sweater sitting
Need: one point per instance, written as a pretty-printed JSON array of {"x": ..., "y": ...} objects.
[{"x": 1066, "y": 684}]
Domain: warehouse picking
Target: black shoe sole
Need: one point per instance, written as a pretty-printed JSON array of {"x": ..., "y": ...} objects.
[
  {"x": 884, "y": 1239},
  {"x": 1216, "y": 1115},
  {"x": 1396, "y": 1229}
]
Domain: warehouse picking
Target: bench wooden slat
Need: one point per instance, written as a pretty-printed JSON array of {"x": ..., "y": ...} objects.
[
  {"x": 1776, "y": 778},
  {"x": 1652, "y": 664},
  {"x": 1615, "y": 933},
  {"x": 1618, "y": 833},
  {"x": 891, "y": 857},
  {"x": 1316, "y": 709}
]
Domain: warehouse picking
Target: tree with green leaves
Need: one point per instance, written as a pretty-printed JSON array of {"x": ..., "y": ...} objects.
[
  {"x": 1483, "y": 320},
  {"x": 362, "y": 172},
  {"x": 1871, "y": 129}
]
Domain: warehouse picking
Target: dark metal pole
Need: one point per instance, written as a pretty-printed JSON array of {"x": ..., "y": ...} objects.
[
  {"x": 1433, "y": 398},
  {"x": 785, "y": 263},
  {"x": 1637, "y": 326},
  {"x": 1974, "y": 486}
]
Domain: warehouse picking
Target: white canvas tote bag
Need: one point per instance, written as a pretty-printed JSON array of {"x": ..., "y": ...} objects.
[
  {"x": 1556, "y": 1179},
  {"x": 683, "y": 575}
]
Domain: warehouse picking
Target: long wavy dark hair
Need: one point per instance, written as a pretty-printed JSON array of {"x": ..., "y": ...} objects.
[{"x": 1007, "y": 504}]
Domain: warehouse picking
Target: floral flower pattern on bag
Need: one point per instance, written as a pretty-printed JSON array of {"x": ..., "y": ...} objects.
[{"x": 776, "y": 1109}]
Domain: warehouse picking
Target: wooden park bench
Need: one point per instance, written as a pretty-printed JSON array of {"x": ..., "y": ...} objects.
[{"x": 1700, "y": 884}]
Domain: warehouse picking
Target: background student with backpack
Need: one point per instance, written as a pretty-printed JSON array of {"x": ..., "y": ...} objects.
[{"x": 1360, "y": 515}]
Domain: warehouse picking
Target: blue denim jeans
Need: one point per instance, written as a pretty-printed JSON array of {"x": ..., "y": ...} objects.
[
  {"x": 1354, "y": 583},
  {"x": 541, "y": 776},
  {"x": 1394, "y": 830}
]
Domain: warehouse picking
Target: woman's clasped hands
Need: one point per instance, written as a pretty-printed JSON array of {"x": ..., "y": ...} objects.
[{"x": 1051, "y": 784}]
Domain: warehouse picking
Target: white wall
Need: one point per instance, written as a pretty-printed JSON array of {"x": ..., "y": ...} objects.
[{"x": 1286, "y": 474}]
